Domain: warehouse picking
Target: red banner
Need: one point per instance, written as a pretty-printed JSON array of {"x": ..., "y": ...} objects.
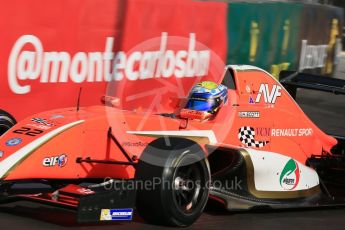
[
  {"x": 49, "y": 49},
  {"x": 173, "y": 44}
]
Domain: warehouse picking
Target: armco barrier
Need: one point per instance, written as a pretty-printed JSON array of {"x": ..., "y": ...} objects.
[
  {"x": 281, "y": 35},
  {"x": 264, "y": 35},
  {"x": 320, "y": 38}
]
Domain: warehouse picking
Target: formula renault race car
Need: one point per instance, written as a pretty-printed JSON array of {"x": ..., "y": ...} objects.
[{"x": 246, "y": 145}]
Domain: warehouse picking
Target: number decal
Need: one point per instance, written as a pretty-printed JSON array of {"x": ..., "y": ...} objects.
[
  {"x": 22, "y": 130},
  {"x": 34, "y": 132},
  {"x": 28, "y": 131}
]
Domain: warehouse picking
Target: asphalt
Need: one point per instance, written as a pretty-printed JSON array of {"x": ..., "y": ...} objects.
[
  {"x": 326, "y": 110},
  {"x": 24, "y": 215}
]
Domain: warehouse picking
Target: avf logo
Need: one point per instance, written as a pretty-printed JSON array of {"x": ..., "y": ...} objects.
[
  {"x": 60, "y": 161},
  {"x": 270, "y": 97}
]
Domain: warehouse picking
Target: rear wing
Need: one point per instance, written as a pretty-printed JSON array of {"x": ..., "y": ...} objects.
[{"x": 292, "y": 80}]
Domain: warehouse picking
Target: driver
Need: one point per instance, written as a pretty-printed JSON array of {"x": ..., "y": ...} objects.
[{"x": 204, "y": 101}]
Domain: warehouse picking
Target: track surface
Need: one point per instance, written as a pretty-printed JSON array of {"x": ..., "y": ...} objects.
[{"x": 328, "y": 111}]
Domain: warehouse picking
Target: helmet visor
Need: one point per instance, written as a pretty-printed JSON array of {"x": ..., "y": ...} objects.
[{"x": 200, "y": 105}]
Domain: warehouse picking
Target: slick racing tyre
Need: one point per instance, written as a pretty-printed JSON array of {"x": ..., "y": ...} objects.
[
  {"x": 6, "y": 121},
  {"x": 174, "y": 180}
]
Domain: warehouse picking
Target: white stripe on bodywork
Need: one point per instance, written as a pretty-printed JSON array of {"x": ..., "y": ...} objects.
[
  {"x": 16, "y": 157},
  {"x": 190, "y": 133},
  {"x": 244, "y": 67}
]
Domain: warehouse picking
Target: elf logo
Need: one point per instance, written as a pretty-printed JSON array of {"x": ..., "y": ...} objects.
[
  {"x": 290, "y": 175},
  {"x": 60, "y": 160},
  {"x": 270, "y": 96}
]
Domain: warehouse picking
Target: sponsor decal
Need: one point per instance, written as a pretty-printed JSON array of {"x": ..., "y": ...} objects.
[
  {"x": 194, "y": 114},
  {"x": 291, "y": 132},
  {"x": 286, "y": 132},
  {"x": 269, "y": 96},
  {"x": 14, "y": 141},
  {"x": 312, "y": 56},
  {"x": 28, "y": 131},
  {"x": 246, "y": 135},
  {"x": 262, "y": 131},
  {"x": 43, "y": 127},
  {"x": 248, "y": 89},
  {"x": 85, "y": 191},
  {"x": 37, "y": 64},
  {"x": 249, "y": 114},
  {"x": 289, "y": 177},
  {"x": 60, "y": 161},
  {"x": 42, "y": 121},
  {"x": 56, "y": 117},
  {"x": 134, "y": 144},
  {"x": 13, "y": 159},
  {"x": 116, "y": 214},
  {"x": 251, "y": 100}
]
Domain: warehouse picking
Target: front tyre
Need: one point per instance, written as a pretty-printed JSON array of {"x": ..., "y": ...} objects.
[
  {"x": 174, "y": 182},
  {"x": 6, "y": 121}
]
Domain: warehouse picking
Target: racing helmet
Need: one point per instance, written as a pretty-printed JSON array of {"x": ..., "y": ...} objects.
[{"x": 204, "y": 101}]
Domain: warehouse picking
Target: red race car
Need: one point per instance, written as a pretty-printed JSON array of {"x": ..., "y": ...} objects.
[{"x": 244, "y": 143}]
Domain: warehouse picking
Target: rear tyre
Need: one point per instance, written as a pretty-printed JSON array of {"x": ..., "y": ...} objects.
[
  {"x": 6, "y": 121},
  {"x": 174, "y": 182}
]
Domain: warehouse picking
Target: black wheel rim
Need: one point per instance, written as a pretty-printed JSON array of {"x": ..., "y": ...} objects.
[{"x": 188, "y": 185}]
